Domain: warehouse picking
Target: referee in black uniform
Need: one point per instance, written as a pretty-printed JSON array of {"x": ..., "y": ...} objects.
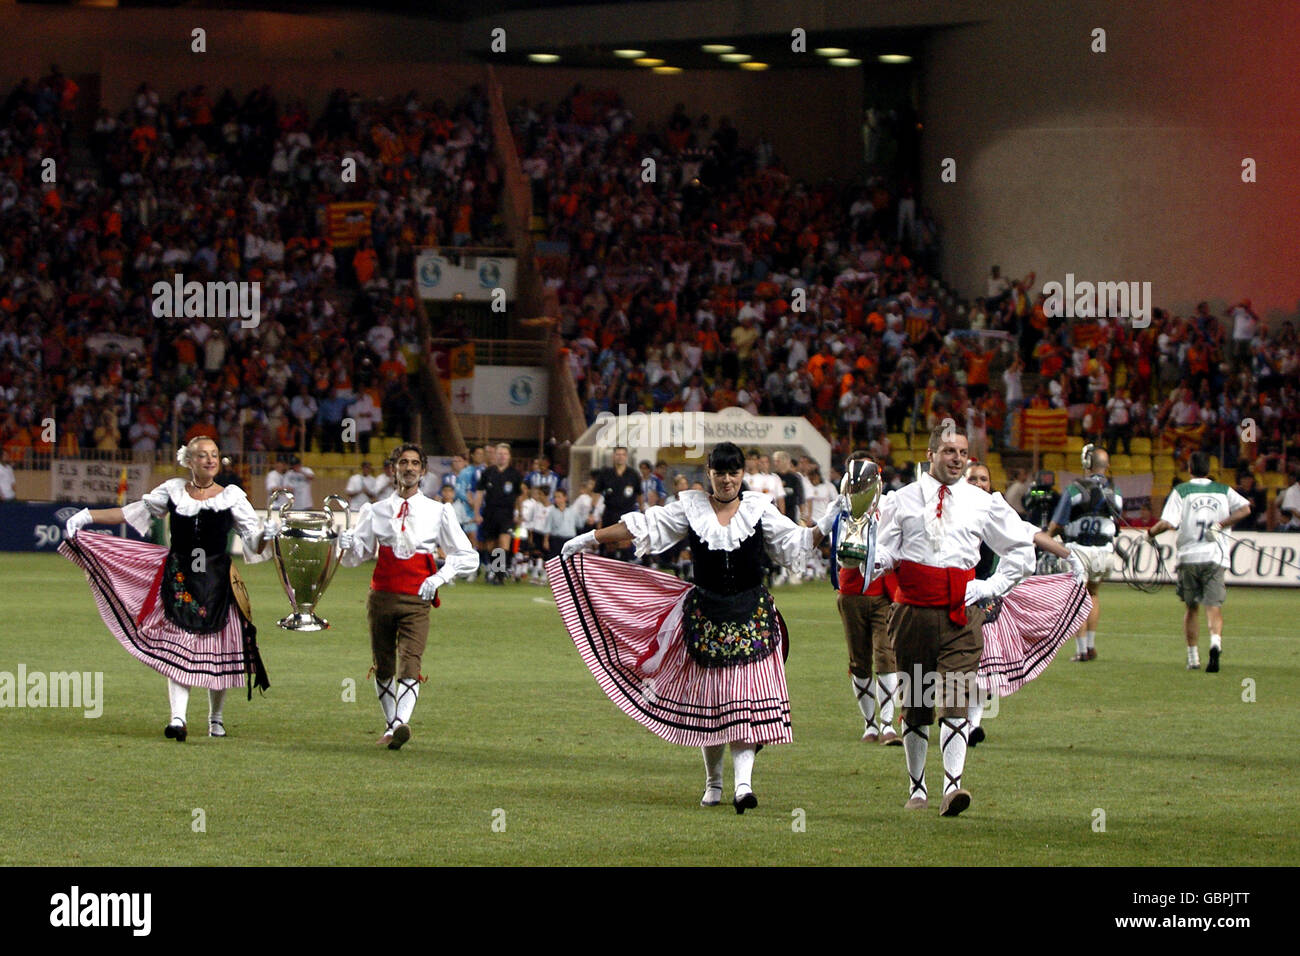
[
  {"x": 498, "y": 489},
  {"x": 621, "y": 488}
]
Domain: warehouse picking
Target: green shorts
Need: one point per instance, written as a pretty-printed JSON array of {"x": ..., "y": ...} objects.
[{"x": 1201, "y": 584}]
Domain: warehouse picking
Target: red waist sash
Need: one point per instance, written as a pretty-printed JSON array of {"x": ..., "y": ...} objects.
[
  {"x": 397, "y": 576},
  {"x": 924, "y": 585},
  {"x": 851, "y": 583}
]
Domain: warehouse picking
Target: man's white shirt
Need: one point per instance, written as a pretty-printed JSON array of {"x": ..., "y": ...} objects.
[
  {"x": 363, "y": 489},
  {"x": 769, "y": 484},
  {"x": 429, "y": 525},
  {"x": 911, "y": 531},
  {"x": 299, "y": 483}
]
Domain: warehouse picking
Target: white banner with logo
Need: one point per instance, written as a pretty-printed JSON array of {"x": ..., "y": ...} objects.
[
  {"x": 473, "y": 278},
  {"x": 510, "y": 390},
  {"x": 644, "y": 434},
  {"x": 1255, "y": 557},
  {"x": 96, "y": 482}
]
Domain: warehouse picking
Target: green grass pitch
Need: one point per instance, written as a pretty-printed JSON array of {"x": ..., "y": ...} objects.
[{"x": 518, "y": 758}]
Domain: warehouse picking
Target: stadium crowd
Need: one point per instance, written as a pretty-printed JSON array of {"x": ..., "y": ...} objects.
[
  {"x": 223, "y": 189},
  {"x": 722, "y": 281},
  {"x": 713, "y": 279}
]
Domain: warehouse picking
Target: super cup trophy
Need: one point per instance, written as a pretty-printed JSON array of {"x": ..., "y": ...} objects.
[
  {"x": 306, "y": 555},
  {"x": 861, "y": 485}
]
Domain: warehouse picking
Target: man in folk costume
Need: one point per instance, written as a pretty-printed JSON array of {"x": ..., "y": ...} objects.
[
  {"x": 1024, "y": 628},
  {"x": 402, "y": 534},
  {"x": 865, "y": 607},
  {"x": 932, "y": 538}
]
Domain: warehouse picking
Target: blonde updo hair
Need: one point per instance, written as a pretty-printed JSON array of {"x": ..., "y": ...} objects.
[{"x": 183, "y": 453}]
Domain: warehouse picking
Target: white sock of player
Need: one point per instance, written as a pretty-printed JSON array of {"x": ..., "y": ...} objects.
[
  {"x": 179, "y": 695},
  {"x": 742, "y": 767},
  {"x": 952, "y": 741},
  {"x": 408, "y": 689},
  {"x": 975, "y": 713},
  {"x": 713, "y": 768},
  {"x": 1091, "y": 637},
  {"x": 886, "y": 685},
  {"x": 1193, "y": 657},
  {"x": 1081, "y": 644},
  {"x": 216, "y": 701},
  {"x": 865, "y": 690},
  {"x": 387, "y": 694},
  {"x": 1216, "y": 640},
  {"x": 916, "y": 741}
]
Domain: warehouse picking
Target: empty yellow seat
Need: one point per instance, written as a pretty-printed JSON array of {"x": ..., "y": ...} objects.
[
  {"x": 1141, "y": 446},
  {"x": 1073, "y": 444}
]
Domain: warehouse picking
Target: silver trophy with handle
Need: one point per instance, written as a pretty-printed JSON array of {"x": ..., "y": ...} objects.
[
  {"x": 861, "y": 485},
  {"x": 306, "y": 555}
]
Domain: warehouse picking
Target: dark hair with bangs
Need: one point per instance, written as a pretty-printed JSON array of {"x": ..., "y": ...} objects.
[{"x": 727, "y": 456}]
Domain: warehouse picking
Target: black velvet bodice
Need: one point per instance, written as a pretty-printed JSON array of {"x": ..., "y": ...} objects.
[
  {"x": 195, "y": 589},
  {"x": 728, "y": 572}
]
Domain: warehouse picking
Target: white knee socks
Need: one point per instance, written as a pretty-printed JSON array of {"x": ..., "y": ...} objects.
[
  {"x": 408, "y": 689},
  {"x": 216, "y": 701},
  {"x": 952, "y": 741},
  {"x": 742, "y": 766},
  {"x": 179, "y": 695},
  {"x": 916, "y": 741},
  {"x": 387, "y": 701},
  {"x": 886, "y": 685},
  {"x": 713, "y": 767},
  {"x": 865, "y": 691}
]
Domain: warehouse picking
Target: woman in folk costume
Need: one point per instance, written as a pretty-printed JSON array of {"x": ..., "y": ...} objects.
[
  {"x": 1025, "y": 627},
  {"x": 182, "y": 610},
  {"x": 699, "y": 665}
]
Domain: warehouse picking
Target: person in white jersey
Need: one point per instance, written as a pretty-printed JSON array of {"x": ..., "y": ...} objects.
[{"x": 1200, "y": 509}]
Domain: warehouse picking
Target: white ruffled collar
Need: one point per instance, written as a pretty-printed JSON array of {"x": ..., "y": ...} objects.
[
  {"x": 189, "y": 507},
  {"x": 704, "y": 521}
]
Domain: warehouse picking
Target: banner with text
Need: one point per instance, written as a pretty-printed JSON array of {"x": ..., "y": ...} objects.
[
  {"x": 38, "y": 526},
  {"x": 97, "y": 482},
  {"x": 1254, "y": 557}
]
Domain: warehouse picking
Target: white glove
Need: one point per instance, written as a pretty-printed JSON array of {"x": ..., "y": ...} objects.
[
  {"x": 583, "y": 542},
  {"x": 1212, "y": 532},
  {"x": 271, "y": 529},
  {"x": 978, "y": 590},
  {"x": 347, "y": 540},
  {"x": 78, "y": 521},
  {"x": 1077, "y": 568},
  {"x": 429, "y": 587},
  {"x": 827, "y": 521}
]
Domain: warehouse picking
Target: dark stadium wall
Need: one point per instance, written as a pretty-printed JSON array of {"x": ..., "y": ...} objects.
[
  {"x": 811, "y": 116},
  {"x": 244, "y": 49},
  {"x": 1123, "y": 165}
]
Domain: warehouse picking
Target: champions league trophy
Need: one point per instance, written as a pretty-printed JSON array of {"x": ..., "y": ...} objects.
[
  {"x": 857, "y": 547},
  {"x": 306, "y": 555}
]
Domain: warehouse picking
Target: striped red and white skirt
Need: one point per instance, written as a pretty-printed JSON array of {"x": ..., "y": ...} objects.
[
  {"x": 124, "y": 577},
  {"x": 1036, "y": 617},
  {"x": 626, "y": 622}
]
